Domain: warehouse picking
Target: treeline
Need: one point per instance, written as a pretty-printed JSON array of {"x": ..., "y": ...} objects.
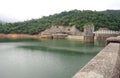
[{"x": 108, "y": 18}]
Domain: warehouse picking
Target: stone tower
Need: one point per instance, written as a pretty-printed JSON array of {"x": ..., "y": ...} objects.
[{"x": 88, "y": 33}]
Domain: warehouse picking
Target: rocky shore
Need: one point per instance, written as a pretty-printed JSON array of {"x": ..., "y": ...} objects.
[
  {"x": 19, "y": 36},
  {"x": 38, "y": 36}
]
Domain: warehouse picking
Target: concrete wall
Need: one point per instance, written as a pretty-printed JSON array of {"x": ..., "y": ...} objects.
[
  {"x": 103, "y": 34},
  {"x": 106, "y": 64}
]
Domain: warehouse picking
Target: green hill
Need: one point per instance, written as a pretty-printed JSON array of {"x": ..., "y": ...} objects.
[
  {"x": 108, "y": 18},
  {"x": 112, "y": 12}
]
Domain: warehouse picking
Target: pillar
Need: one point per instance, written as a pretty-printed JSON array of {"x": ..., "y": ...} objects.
[{"x": 88, "y": 33}]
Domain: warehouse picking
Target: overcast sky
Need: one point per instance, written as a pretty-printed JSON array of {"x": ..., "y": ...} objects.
[{"x": 28, "y": 9}]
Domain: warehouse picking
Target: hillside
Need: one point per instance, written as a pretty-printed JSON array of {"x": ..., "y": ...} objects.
[
  {"x": 112, "y": 12},
  {"x": 108, "y": 18}
]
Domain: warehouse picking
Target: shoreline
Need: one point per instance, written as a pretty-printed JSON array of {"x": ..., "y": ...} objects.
[
  {"x": 36, "y": 36},
  {"x": 19, "y": 36},
  {"x": 44, "y": 37}
]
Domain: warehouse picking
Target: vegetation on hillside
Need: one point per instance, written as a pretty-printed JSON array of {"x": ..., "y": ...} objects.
[{"x": 108, "y": 18}]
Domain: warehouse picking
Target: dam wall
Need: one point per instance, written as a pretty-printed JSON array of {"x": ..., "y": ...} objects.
[
  {"x": 106, "y": 64},
  {"x": 104, "y": 34}
]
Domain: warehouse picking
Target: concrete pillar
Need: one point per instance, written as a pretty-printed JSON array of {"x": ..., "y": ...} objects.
[{"x": 88, "y": 33}]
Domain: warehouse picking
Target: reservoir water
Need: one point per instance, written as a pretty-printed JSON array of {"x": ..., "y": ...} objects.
[{"x": 44, "y": 58}]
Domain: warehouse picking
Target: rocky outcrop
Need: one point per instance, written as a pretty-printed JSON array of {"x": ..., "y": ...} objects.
[{"x": 62, "y": 30}]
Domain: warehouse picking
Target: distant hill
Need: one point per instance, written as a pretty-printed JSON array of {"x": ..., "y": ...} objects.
[
  {"x": 78, "y": 18},
  {"x": 112, "y": 12}
]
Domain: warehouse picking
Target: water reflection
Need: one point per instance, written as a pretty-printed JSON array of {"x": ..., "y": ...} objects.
[{"x": 44, "y": 59}]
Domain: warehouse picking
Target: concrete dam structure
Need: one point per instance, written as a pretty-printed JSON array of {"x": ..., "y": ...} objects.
[
  {"x": 88, "y": 33},
  {"x": 101, "y": 34},
  {"x": 62, "y": 32},
  {"x": 106, "y": 64}
]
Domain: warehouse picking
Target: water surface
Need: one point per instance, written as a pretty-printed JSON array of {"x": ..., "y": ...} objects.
[{"x": 44, "y": 58}]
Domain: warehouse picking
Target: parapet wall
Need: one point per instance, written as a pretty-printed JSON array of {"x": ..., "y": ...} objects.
[{"x": 106, "y": 64}]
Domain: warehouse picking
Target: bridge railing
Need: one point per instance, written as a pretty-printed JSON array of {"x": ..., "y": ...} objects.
[
  {"x": 106, "y": 32},
  {"x": 103, "y": 34}
]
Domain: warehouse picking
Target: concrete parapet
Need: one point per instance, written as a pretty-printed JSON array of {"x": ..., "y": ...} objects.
[
  {"x": 106, "y": 64},
  {"x": 113, "y": 40},
  {"x": 104, "y": 36}
]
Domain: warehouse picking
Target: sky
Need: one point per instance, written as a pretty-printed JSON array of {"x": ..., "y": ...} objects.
[{"x": 20, "y": 10}]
